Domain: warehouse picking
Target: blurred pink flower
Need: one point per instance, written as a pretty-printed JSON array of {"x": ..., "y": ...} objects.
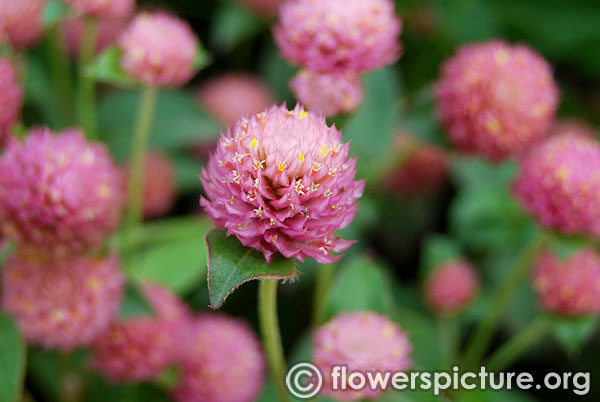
[
  {"x": 231, "y": 96},
  {"x": 339, "y": 35},
  {"x": 22, "y": 21},
  {"x": 58, "y": 193},
  {"x": 451, "y": 287},
  {"x": 569, "y": 287},
  {"x": 159, "y": 49},
  {"x": 221, "y": 361},
  {"x": 266, "y": 8},
  {"x": 559, "y": 183},
  {"x": 138, "y": 349},
  {"x": 103, "y": 8},
  {"x": 11, "y": 99},
  {"x": 108, "y": 32},
  {"x": 496, "y": 99},
  {"x": 328, "y": 93},
  {"x": 65, "y": 303},
  {"x": 281, "y": 181},
  {"x": 363, "y": 341}
]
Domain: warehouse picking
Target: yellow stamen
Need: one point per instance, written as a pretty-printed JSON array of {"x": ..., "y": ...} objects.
[
  {"x": 253, "y": 143},
  {"x": 300, "y": 157},
  {"x": 281, "y": 166},
  {"x": 303, "y": 114}
]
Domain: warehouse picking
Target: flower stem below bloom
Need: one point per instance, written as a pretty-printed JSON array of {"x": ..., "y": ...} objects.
[
  {"x": 70, "y": 382},
  {"x": 449, "y": 338},
  {"x": 324, "y": 277},
  {"x": 515, "y": 346},
  {"x": 482, "y": 336},
  {"x": 87, "y": 88},
  {"x": 269, "y": 328},
  {"x": 60, "y": 70}
]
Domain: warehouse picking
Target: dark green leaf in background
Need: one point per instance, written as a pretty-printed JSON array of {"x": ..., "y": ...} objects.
[
  {"x": 573, "y": 333},
  {"x": 134, "y": 304},
  {"x": 12, "y": 360}
]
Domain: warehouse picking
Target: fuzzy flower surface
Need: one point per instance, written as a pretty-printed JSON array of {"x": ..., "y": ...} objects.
[
  {"x": 364, "y": 341},
  {"x": 21, "y": 21},
  {"x": 139, "y": 348},
  {"x": 11, "y": 98},
  {"x": 231, "y": 96},
  {"x": 559, "y": 183},
  {"x": 59, "y": 194},
  {"x": 282, "y": 182},
  {"x": 103, "y": 8},
  {"x": 221, "y": 361},
  {"x": 63, "y": 304},
  {"x": 159, "y": 49},
  {"x": 159, "y": 185},
  {"x": 108, "y": 32},
  {"x": 328, "y": 93},
  {"x": 569, "y": 287},
  {"x": 451, "y": 287},
  {"x": 496, "y": 99},
  {"x": 339, "y": 35}
]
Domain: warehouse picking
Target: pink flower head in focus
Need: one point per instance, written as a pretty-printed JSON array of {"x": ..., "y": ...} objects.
[
  {"x": 363, "y": 341},
  {"x": 496, "y": 99},
  {"x": 339, "y": 35},
  {"x": 282, "y": 182},
  {"x": 21, "y": 21},
  {"x": 64, "y": 304},
  {"x": 451, "y": 287},
  {"x": 11, "y": 99}
]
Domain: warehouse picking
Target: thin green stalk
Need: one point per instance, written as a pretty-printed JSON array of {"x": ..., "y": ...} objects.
[
  {"x": 449, "y": 338},
  {"x": 484, "y": 332},
  {"x": 518, "y": 344},
  {"x": 324, "y": 277},
  {"x": 269, "y": 328},
  {"x": 60, "y": 70},
  {"x": 87, "y": 87},
  {"x": 70, "y": 382}
]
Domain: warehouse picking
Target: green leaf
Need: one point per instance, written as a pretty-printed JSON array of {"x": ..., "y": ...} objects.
[
  {"x": 573, "y": 333},
  {"x": 362, "y": 285},
  {"x": 54, "y": 12},
  {"x": 230, "y": 264},
  {"x": 233, "y": 24},
  {"x": 202, "y": 58},
  {"x": 107, "y": 68},
  {"x": 436, "y": 250},
  {"x": 134, "y": 303},
  {"x": 564, "y": 246},
  {"x": 422, "y": 330},
  {"x": 12, "y": 360},
  {"x": 187, "y": 172}
]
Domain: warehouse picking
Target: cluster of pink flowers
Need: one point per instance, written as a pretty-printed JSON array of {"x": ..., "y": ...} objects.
[
  {"x": 21, "y": 21},
  {"x": 496, "y": 99},
  {"x": 569, "y": 287},
  {"x": 281, "y": 182},
  {"x": 103, "y": 8},
  {"x": 336, "y": 40},
  {"x": 363, "y": 341},
  {"x": 451, "y": 287},
  {"x": 11, "y": 99}
]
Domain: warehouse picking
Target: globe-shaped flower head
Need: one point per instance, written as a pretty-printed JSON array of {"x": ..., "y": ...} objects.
[
  {"x": 282, "y": 182},
  {"x": 59, "y": 194},
  {"x": 559, "y": 183},
  {"x": 63, "y": 304},
  {"x": 496, "y": 99},
  {"x": 103, "y": 8},
  {"x": 363, "y": 341},
  {"x": 221, "y": 361},
  {"x": 339, "y": 35},
  {"x": 11, "y": 98},
  {"x": 21, "y": 21},
  {"x": 328, "y": 93},
  {"x": 571, "y": 286},
  {"x": 159, "y": 50},
  {"x": 451, "y": 286}
]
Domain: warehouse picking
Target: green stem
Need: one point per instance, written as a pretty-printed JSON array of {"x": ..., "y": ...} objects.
[
  {"x": 60, "y": 70},
  {"x": 269, "y": 328},
  {"x": 323, "y": 282},
  {"x": 141, "y": 136},
  {"x": 484, "y": 332},
  {"x": 449, "y": 338},
  {"x": 87, "y": 87},
  {"x": 515, "y": 346},
  {"x": 70, "y": 382}
]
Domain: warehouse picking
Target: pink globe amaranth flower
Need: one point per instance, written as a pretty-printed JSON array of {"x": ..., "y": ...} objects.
[
  {"x": 232, "y": 96},
  {"x": 21, "y": 21},
  {"x": 266, "y": 8},
  {"x": 425, "y": 171},
  {"x": 569, "y": 287},
  {"x": 59, "y": 194},
  {"x": 159, "y": 185},
  {"x": 328, "y": 93},
  {"x": 159, "y": 50},
  {"x": 11, "y": 99},
  {"x": 363, "y": 341},
  {"x": 108, "y": 32},
  {"x": 339, "y": 35},
  {"x": 451, "y": 287},
  {"x": 281, "y": 182},
  {"x": 496, "y": 99},
  {"x": 64, "y": 303},
  {"x": 103, "y": 8},
  {"x": 138, "y": 349},
  {"x": 221, "y": 361},
  {"x": 559, "y": 183}
]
